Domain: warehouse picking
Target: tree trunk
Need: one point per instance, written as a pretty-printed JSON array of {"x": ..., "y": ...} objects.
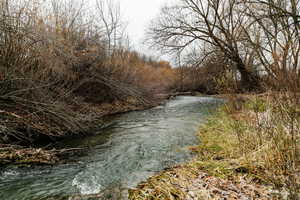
[{"x": 249, "y": 81}]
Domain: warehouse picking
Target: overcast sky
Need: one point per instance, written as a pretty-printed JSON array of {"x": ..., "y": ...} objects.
[{"x": 138, "y": 14}]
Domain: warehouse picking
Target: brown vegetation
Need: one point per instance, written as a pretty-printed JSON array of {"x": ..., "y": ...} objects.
[{"x": 60, "y": 67}]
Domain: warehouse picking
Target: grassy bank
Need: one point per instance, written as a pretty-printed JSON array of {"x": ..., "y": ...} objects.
[{"x": 248, "y": 149}]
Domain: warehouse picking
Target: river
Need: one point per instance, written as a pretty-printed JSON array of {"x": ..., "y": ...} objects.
[{"x": 135, "y": 146}]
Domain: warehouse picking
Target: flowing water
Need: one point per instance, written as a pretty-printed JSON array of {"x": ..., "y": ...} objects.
[{"x": 134, "y": 147}]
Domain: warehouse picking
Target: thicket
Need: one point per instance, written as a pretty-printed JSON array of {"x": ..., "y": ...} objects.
[{"x": 60, "y": 61}]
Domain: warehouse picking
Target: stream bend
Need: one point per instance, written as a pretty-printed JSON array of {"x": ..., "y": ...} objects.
[{"x": 137, "y": 145}]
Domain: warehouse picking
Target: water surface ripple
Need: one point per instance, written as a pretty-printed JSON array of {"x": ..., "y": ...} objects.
[{"x": 136, "y": 145}]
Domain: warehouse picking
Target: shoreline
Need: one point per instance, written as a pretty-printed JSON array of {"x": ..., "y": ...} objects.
[
  {"x": 20, "y": 155},
  {"x": 229, "y": 163},
  {"x": 12, "y": 154}
]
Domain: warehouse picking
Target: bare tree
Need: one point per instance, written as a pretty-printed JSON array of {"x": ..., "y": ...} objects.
[
  {"x": 192, "y": 23},
  {"x": 109, "y": 19},
  {"x": 281, "y": 9},
  {"x": 277, "y": 38}
]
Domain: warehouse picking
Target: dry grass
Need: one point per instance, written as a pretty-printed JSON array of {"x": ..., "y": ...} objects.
[
  {"x": 191, "y": 182},
  {"x": 262, "y": 136}
]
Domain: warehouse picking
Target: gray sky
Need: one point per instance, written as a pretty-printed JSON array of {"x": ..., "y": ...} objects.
[{"x": 138, "y": 14}]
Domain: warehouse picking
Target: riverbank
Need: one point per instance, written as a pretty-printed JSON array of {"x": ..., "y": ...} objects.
[
  {"x": 36, "y": 134},
  {"x": 131, "y": 148},
  {"x": 39, "y": 150},
  {"x": 248, "y": 149}
]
